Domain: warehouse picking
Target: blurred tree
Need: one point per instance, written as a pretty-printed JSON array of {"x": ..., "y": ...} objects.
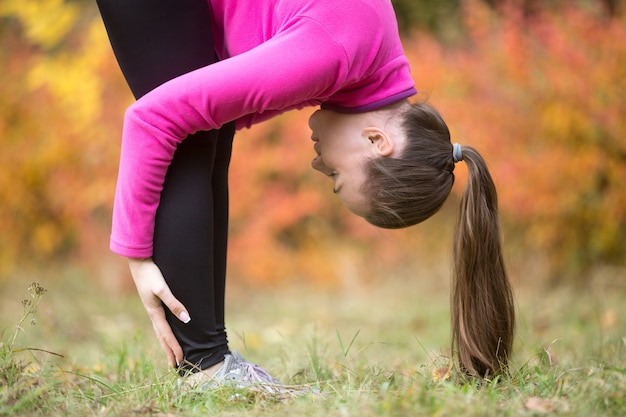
[
  {"x": 539, "y": 90},
  {"x": 56, "y": 167},
  {"x": 543, "y": 95},
  {"x": 531, "y": 7},
  {"x": 444, "y": 18},
  {"x": 439, "y": 17}
]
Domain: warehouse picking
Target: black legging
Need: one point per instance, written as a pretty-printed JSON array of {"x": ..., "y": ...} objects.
[{"x": 155, "y": 41}]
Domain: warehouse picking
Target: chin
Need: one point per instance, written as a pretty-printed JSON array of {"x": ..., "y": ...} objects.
[{"x": 359, "y": 211}]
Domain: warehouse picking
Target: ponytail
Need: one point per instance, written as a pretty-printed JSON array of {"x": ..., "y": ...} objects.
[
  {"x": 483, "y": 312},
  {"x": 407, "y": 190}
]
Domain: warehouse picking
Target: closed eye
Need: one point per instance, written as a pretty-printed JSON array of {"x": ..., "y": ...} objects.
[{"x": 333, "y": 175}]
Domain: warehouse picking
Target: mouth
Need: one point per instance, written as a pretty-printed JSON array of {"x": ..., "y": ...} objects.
[{"x": 316, "y": 148}]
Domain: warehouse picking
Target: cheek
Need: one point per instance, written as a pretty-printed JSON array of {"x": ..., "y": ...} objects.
[
  {"x": 332, "y": 146},
  {"x": 354, "y": 201},
  {"x": 355, "y": 206},
  {"x": 329, "y": 128}
]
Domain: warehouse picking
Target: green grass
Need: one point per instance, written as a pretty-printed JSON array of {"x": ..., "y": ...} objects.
[{"x": 372, "y": 349}]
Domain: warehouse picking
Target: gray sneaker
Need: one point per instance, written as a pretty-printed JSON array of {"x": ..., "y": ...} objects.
[
  {"x": 238, "y": 373},
  {"x": 235, "y": 372}
]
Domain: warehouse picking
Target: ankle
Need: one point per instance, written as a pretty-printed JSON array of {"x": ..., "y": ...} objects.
[{"x": 211, "y": 370}]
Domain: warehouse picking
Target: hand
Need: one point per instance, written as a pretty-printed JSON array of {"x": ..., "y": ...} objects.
[{"x": 153, "y": 290}]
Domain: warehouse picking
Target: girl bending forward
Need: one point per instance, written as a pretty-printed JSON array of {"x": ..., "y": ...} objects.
[{"x": 201, "y": 69}]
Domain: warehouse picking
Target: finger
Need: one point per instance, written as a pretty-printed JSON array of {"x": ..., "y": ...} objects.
[
  {"x": 170, "y": 346},
  {"x": 171, "y": 359},
  {"x": 173, "y": 347},
  {"x": 168, "y": 341}
]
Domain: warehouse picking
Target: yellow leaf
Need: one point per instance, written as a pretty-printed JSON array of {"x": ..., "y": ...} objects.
[
  {"x": 539, "y": 405},
  {"x": 46, "y": 22},
  {"x": 441, "y": 374}
]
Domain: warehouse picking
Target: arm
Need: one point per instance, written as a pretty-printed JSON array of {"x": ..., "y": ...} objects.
[{"x": 284, "y": 72}]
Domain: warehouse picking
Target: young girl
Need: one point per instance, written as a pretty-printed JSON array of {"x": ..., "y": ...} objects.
[{"x": 201, "y": 69}]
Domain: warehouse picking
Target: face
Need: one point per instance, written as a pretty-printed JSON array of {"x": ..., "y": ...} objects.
[{"x": 342, "y": 148}]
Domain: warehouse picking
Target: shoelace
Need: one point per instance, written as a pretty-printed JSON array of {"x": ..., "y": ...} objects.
[
  {"x": 257, "y": 375},
  {"x": 260, "y": 377}
]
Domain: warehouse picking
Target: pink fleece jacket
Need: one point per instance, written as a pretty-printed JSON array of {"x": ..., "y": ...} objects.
[{"x": 276, "y": 55}]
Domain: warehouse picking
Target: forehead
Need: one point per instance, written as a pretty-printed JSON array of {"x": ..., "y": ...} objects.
[{"x": 328, "y": 119}]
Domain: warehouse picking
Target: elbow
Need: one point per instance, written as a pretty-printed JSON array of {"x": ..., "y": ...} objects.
[
  {"x": 146, "y": 122},
  {"x": 139, "y": 115}
]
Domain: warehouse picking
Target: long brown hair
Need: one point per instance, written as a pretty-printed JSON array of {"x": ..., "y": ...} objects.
[{"x": 407, "y": 190}]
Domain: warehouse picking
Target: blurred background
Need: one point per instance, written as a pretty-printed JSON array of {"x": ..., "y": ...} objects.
[{"x": 538, "y": 87}]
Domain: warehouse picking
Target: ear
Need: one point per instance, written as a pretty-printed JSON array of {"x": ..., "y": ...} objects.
[{"x": 382, "y": 142}]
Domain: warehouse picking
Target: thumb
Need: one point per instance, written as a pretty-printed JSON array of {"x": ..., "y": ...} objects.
[{"x": 176, "y": 307}]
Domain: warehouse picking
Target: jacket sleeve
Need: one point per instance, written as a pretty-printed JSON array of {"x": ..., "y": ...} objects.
[{"x": 287, "y": 71}]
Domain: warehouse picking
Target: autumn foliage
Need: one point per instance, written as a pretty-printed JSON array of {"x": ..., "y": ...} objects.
[
  {"x": 542, "y": 95},
  {"x": 58, "y": 155}
]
